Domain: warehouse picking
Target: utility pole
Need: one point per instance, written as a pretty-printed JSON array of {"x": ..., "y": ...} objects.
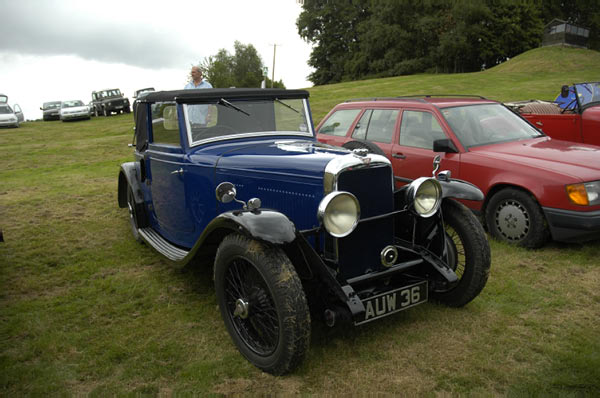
[{"x": 273, "y": 72}]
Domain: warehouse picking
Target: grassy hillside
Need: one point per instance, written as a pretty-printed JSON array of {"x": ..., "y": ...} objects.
[
  {"x": 538, "y": 74},
  {"x": 84, "y": 309}
]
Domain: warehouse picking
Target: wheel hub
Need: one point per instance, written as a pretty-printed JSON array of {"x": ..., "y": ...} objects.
[
  {"x": 512, "y": 220},
  {"x": 241, "y": 308}
]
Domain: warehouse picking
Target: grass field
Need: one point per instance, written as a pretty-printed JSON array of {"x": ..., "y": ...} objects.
[{"x": 84, "y": 309}]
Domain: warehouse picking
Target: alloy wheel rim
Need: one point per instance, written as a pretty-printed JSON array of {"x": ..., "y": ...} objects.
[{"x": 512, "y": 220}]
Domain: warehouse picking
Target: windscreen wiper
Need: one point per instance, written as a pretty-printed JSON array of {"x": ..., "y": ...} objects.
[
  {"x": 286, "y": 105},
  {"x": 230, "y": 105}
]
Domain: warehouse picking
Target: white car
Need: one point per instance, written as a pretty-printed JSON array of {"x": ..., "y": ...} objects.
[
  {"x": 72, "y": 110},
  {"x": 8, "y": 118}
]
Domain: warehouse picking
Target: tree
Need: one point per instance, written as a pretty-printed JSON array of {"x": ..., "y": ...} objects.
[
  {"x": 356, "y": 39},
  {"x": 242, "y": 69}
]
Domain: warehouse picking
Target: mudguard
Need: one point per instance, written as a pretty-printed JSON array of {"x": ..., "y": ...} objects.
[
  {"x": 267, "y": 225},
  {"x": 128, "y": 175},
  {"x": 459, "y": 189}
]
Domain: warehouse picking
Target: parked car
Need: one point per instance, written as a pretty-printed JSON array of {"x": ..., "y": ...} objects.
[
  {"x": 73, "y": 110},
  {"x": 106, "y": 102},
  {"x": 291, "y": 224},
  {"x": 573, "y": 116},
  {"x": 138, "y": 95},
  {"x": 8, "y": 117},
  {"x": 51, "y": 110},
  {"x": 535, "y": 187}
]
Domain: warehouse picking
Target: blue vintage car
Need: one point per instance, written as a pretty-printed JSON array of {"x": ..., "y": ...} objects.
[{"x": 296, "y": 230}]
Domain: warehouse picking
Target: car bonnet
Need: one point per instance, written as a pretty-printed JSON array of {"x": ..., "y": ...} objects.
[{"x": 576, "y": 160}]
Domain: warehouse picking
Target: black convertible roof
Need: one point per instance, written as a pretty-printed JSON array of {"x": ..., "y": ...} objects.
[{"x": 215, "y": 94}]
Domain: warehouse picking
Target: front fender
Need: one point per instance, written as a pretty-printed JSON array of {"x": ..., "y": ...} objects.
[
  {"x": 459, "y": 189},
  {"x": 267, "y": 225}
]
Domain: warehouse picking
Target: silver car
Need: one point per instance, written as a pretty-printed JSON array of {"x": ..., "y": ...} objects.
[
  {"x": 73, "y": 110},
  {"x": 8, "y": 117},
  {"x": 51, "y": 110}
]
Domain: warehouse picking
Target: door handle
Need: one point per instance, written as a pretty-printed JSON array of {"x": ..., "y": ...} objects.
[
  {"x": 399, "y": 156},
  {"x": 180, "y": 171}
]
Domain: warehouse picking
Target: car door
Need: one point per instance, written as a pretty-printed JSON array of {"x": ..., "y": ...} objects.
[
  {"x": 18, "y": 113},
  {"x": 166, "y": 167},
  {"x": 412, "y": 154},
  {"x": 378, "y": 126}
]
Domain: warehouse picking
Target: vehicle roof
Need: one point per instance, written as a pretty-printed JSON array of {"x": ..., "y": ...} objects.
[
  {"x": 214, "y": 94},
  {"x": 423, "y": 100}
]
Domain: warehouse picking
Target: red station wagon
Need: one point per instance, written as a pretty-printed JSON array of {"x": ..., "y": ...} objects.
[{"x": 535, "y": 187}]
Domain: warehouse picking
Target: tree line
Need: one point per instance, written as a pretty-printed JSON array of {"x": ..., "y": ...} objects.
[
  {"x": 356, "y": 39},
  {"x": 243, "y": 68}
]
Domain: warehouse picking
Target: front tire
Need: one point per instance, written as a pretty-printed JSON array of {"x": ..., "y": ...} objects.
[
  {"x": 262, "y": 303},
  {"x": 513, "y": 216},
  {"x": 468, "y": 254}
]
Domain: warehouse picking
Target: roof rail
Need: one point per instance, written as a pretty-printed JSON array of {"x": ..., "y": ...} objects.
[
  {"x": 379, "y": 99},
  {"x": 442, "y": 95}
]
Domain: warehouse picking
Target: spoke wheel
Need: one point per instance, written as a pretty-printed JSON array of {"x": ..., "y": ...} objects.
[
  {"x": 251, "y": 308},
  {"x": 262, "y": 303},
  {"x": 467, "y": 253}
]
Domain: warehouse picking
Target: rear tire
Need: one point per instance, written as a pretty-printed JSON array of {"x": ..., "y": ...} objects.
[
  {"x": 133, "y": 216},
  {"x": 372, "y": 148},
  {"x": 514, "y": 216},
  {"x": 469, "y": 254},
  {"x": 262, "y": 303}
]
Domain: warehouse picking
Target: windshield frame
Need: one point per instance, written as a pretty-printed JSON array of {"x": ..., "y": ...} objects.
[
  {"x": 462, "y": 136},
  {"x": 194, "y": 143},
  {"x": 582, "y": 91}
]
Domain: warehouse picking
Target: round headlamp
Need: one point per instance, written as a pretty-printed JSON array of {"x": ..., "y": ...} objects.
[
  {"x": 425, "y": 194},
  {"x": 339, "y": 212}
]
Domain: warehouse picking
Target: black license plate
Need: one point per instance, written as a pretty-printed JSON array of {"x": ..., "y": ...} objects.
[{"x": 393, "y": 301}]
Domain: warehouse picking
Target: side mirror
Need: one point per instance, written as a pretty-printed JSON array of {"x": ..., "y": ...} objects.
[
  {"x": 564, "y": 91},
  {"x": 444, "y": 145},
  {"x": 225, "y": 192}
]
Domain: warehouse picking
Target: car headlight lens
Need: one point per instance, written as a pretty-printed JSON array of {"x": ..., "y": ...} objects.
[
  {"x": 425, "y": 194},
  {"x": 339, "y": 212},
  {"x": 585, "y": 194}
]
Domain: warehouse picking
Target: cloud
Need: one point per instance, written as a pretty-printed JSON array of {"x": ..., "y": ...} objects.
[{"x": 61, "y": 28}]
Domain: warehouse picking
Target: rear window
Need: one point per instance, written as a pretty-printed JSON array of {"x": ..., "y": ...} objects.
[{"x": 339, "y": 122}]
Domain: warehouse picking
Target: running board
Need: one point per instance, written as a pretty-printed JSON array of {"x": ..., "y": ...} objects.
[{"x": 165, "y": 248}]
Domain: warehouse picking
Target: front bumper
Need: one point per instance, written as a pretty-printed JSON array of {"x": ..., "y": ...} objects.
[
  {"x": 9, "y": 123},
  {"x": 75, "y": 116},
  {"x": 573, "y": 226}
]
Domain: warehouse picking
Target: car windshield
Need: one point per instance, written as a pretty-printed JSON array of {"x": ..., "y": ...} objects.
[
  {"x": 71, "y": 104},
  {"x": 588, "y": 93},
  {"x": 110, "y": 93},
  {"x": 51, "y": 105},
  {"x": 4, "y": 110},
  {"x": 224, "y": 119},
  {"x": 486, "y": 124}
]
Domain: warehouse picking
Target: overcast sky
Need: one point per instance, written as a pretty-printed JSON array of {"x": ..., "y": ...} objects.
[{"x": 53, "y": 50}]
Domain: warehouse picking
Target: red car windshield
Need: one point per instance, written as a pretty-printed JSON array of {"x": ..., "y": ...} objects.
[
  {"x": 485, "y": 124},
  {"x": 588, "y": 93}
]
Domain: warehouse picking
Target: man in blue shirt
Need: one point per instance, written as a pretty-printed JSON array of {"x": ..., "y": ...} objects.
[{"x": 197, "y": 114}]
